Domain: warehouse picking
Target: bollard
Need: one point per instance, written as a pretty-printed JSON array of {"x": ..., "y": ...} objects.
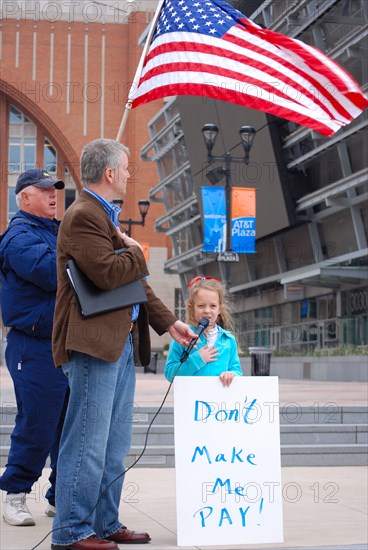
[{"x": 152, "y": 367}]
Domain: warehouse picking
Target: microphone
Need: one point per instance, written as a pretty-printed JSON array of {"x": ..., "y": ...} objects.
[{"x": 202, "y": 325}]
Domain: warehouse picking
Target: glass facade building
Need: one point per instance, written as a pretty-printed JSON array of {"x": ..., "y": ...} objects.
[{"x": 306, "y": 285}]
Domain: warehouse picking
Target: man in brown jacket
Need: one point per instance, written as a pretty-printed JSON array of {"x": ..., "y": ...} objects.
[{"x": 97, "y": 357}]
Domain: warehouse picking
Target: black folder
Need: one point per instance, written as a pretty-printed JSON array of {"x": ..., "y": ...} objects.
[{"x": 94, "y": 301}]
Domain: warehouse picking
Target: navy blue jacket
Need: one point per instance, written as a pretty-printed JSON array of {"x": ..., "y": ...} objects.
[{"x": 28, "y": 274}]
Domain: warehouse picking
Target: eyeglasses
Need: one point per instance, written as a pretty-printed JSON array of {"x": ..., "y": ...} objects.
[{"x": 203, "y": 278}]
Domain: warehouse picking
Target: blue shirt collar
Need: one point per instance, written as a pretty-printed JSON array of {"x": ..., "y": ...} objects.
[{"x": 112, "y": 210}]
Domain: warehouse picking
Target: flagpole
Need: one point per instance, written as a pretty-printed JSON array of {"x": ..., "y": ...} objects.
[{"x": 138, "y": 72}]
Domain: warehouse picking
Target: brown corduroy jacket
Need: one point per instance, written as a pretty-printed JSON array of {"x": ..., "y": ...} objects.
[{"x": 88, "y": 236}]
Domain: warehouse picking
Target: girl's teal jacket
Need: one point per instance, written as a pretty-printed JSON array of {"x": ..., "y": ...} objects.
[{"x": 227, "y": 360}]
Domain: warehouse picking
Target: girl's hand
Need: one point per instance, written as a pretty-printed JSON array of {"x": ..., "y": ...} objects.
[
  {"x": 226, "y": 378},
  {"x": 208, "y": 354}
]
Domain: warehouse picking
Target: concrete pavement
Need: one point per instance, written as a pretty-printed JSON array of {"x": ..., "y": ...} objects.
[
  {"x": 321, "y": 506},
  {"x": 326, "y": 507}
]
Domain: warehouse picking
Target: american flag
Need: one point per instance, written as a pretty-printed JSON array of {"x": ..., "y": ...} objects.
[{"x": 208, "y": 48}]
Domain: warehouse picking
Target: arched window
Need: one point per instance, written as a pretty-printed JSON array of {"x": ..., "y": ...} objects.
[
  {"x": 22, "y": 151},
  {"x": 49, "y": 157},
  {"x": 70, "y": 191},
  {"x": 24, "y": 142}
]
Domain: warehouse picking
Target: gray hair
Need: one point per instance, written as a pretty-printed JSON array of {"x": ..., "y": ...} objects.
[
  {"x": 97, "y": 156},
  {"x": 19, "y": 196}
]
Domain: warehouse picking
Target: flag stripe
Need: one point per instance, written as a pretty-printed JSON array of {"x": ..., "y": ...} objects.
[
  {"x": 312, "y": 78},
  {"x": 179, "y": 50},
  {"x": 321, "y": 64},
  {"x": 225, "y": 80},
  {"x": 179, "y": 42},
  {"x": 167, "y": 67},
  {"x": 208, "y": 48},
  {"x": 159, "y": 90},
  {"x": 160, "y": 63}
]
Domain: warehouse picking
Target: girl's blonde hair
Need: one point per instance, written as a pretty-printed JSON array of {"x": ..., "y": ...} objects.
[{"x": 224, "y": 318}]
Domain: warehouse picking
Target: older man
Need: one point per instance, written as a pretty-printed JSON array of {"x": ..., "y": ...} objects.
[
  {"x": 28, "y": 276},
  {"x": 97, "y": 356}
]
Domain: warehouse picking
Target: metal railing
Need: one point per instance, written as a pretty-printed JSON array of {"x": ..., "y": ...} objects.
[{"x": 307, "y": 336}]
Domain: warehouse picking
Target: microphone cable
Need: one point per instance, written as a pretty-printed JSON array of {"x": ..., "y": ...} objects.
[{"x": 202, "y": 325}]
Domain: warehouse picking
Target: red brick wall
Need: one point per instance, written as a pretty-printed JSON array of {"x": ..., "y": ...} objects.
[{"x": 49, "y": 112}]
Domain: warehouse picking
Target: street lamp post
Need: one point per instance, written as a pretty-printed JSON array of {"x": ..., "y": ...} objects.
[
  {"x": 247, "y": 134},
  {"x": 143, "y": 205}
]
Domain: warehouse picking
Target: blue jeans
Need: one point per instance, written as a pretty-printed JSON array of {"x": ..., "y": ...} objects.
[
  {"x": 41, "y": 393},
  {"x": 95, "y": 440}
]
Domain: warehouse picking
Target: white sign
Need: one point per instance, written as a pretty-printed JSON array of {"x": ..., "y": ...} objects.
[
  {"x": 227, "y": 458},
  {"x": 228, "y": 256}
]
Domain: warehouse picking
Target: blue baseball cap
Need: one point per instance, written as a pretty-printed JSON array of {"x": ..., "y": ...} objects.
[{"x": 38, "y": 178}]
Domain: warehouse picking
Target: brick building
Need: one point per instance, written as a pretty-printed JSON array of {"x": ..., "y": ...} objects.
[{"x": 66, "y": 69}]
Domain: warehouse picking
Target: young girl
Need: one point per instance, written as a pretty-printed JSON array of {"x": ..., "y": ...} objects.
[{"x": 216, "y": 351}]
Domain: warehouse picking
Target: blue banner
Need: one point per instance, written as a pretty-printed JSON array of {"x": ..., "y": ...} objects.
[
  {"x": 214, "y": 219},
  {"x": 244, "y": 235}
]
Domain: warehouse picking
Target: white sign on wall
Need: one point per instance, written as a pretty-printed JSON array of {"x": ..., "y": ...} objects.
[{"x": 227, "y": 460}]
